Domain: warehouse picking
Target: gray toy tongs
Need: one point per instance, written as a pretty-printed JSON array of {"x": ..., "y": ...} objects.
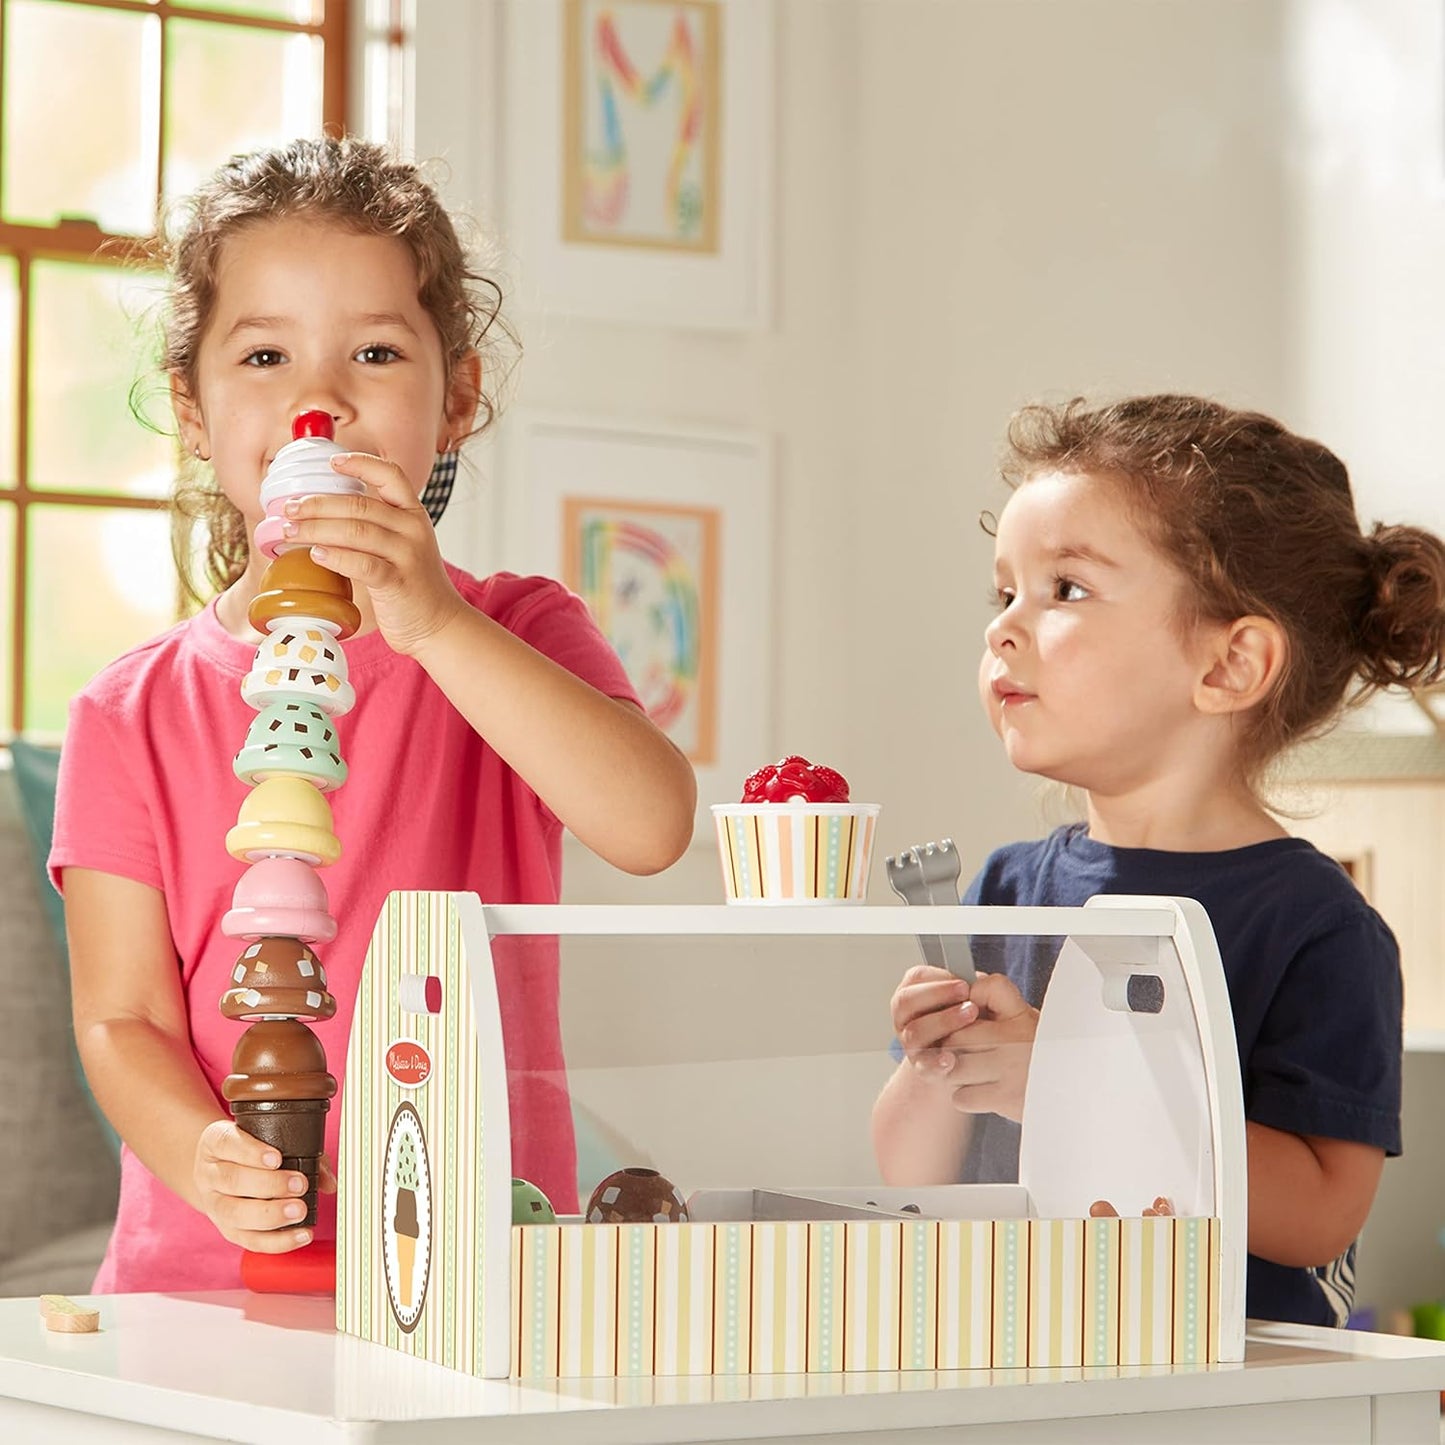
[{"x": 928, "y": 873}]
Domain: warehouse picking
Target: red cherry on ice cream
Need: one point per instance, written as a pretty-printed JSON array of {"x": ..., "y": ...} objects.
[
  {"x": 313, "y": 424},
  {"x": 793, "y": 778}
]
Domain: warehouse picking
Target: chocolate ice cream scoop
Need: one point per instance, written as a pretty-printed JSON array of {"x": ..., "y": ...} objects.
[
  {"x": 636, "y": 1196},
  {"x": 278, "y": 1059},
  {"x": 278, "y": 978},
  {"x": 406, "y": 1221}
]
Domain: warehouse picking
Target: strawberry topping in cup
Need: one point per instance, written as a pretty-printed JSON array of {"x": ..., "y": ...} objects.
[{"x": 795, "y": 780}]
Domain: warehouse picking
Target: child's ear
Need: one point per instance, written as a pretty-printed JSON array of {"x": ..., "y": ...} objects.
[
  {"x": 188, "y": 418},
  {"x": 1245, "y": 663},
  {"x": 464, "y": 396}
]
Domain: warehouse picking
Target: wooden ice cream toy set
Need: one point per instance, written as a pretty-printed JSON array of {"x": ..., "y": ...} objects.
[
  {"x": 1133, "y": 1094},
  {"x": 279, "y": 1088}
]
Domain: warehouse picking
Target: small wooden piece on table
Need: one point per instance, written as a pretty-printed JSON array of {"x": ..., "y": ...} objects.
[{"x": 66, "y": 1317}]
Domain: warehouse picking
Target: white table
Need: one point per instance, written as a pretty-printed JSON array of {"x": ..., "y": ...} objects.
[{"x": 271, "y": 1369}]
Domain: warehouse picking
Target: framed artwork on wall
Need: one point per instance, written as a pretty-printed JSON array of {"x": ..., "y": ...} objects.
[
  {"x": 640, "y": 152},
  {"x": 648, "y": 571},
  {"x": 637, "y": 166},
  {"x": 666, "y": 534}
]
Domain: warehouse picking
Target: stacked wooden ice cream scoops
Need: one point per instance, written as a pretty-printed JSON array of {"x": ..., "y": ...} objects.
[{"x": 279, "y": 1089}]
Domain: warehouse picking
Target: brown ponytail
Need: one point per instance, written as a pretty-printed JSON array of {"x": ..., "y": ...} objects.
[{"x": 1402, "y": 629}]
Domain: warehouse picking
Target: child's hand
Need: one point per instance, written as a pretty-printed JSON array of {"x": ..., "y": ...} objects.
[
  {"x": 247, "y": 1195},
  {"x": 976, "y": 1039},
  {"x": 929, "y": 1006},
  {"x": 384, "y": 542},
  {"x": 1161, "y": 1208},
  {"x": 992, "y": 1051}
]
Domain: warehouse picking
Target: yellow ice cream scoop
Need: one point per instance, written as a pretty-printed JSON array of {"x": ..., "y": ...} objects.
[{"x": 284, "y": 817}]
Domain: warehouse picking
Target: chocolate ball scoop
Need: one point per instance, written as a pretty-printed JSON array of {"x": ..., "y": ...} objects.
[{"x": 636, "y": 1196}]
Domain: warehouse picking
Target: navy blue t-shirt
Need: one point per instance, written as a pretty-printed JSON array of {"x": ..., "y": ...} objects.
[{"x": 1314, "y": 982}]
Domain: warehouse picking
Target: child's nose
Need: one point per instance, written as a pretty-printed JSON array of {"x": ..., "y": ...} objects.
[
  {"x": 1004, "y": 630},
  {"x": 323, "y": 390}
]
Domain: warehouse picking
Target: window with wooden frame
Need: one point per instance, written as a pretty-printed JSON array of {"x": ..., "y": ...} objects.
[{"x": 109, "y": 110}]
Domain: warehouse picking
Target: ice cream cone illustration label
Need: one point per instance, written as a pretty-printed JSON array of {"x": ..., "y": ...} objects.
[
  {"x": 406, "y": 1216},
  {"x": 408, "y": 1062}
]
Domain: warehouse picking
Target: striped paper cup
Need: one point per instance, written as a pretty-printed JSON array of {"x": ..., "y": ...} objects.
[{"x": 795, "y": 852}]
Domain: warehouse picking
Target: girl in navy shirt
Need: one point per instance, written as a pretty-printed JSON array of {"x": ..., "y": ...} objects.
[{"x": 1183, "y": 591}]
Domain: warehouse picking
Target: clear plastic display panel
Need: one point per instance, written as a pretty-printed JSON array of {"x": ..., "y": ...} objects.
[{"x": 738, "y": 1065}]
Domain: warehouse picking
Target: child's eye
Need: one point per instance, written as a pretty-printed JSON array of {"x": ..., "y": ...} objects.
[
  {"x": 1067, "y": 591},
  {"x": 263, "y": 356},
  {"x": 1000, "y": 597},
  {"x": 378, "y": 354}
]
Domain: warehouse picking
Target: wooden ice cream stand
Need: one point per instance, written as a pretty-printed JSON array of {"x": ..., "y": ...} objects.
[{"x": 780, "y": 1310}]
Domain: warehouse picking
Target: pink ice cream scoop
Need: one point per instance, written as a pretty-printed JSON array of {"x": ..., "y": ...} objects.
[
  {"x": 281, "y": 897},
  {"x": 302, "y": 468}
]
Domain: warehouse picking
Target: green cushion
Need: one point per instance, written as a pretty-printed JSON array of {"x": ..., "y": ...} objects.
[{"x": 36, "y": 771}]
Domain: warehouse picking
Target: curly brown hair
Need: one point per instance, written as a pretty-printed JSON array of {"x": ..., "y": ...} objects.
[
  {"x": 1261, "y": 522},
  {"x": 356, "y": 184}
]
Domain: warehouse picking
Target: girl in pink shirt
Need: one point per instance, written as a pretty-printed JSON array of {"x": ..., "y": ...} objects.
[{"x": 489, "y": 714}]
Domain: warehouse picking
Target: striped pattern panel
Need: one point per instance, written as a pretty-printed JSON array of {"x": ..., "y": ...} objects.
[
  {"x": 859, "y": 1295},
  {"x": 415, "y": 933},
  {"x": 1056, "y": 1290},
  {"x": 1151, "y": 1291},
  {"x": 964, "y": 1330},
  {"x": 796, "y": 856}
]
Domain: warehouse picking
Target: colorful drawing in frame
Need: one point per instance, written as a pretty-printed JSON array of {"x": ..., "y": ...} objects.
[
  {"x": 649, "y": 574},
  {"x": 641, "y": 123}
]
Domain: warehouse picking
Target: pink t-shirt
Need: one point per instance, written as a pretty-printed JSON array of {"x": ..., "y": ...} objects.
[{"x": 146, "y": 791}]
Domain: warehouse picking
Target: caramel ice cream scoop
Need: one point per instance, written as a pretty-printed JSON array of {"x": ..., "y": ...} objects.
[{"x": 296, "y": 588}]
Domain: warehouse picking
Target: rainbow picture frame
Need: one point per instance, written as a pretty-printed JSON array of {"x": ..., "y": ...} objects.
[
  {"x": 648, "y": 572},
  {"x": 977, "y": 1280}
]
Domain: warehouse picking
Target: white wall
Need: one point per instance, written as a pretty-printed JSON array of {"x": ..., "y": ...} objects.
[
  {"x": 1367, "y": 303},
  {"x": 1054, "y": 196},
  {"x": 980, "y": 202}
]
